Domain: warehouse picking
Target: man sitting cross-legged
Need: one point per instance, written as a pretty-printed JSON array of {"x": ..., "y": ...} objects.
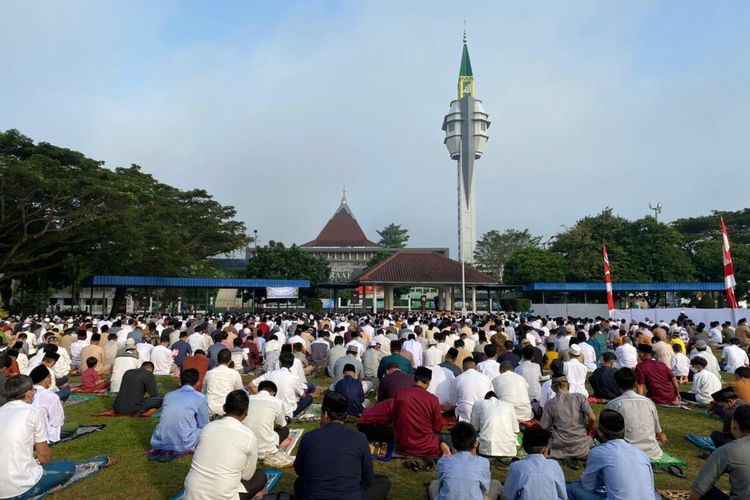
[
  {"x": 291, "y": 390},
  {"x": 220, "y": 381},
  {"x": 334, "y": 462},
  {"x": 184, "y": 414},
  {"x": 642, "y": 427},
  {"x": 733, "y": 458},
  {"x": 23, "y": 433},
  {"x": 267, "y": 419},
  {"x": 417, "y": 420},
  {"x": 568, "y": 417},
  {"x": 497, "y": 425},
  {"x": 536, "y": 476},
  {"x": 622, "y": 468},
  {"x": 226, "y": 458},
  {"x": 461, "y": 473}
]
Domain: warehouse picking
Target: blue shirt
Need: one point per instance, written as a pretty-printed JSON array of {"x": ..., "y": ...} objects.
[
  {"x": 183, "y": 415},
  {"x": 535, "y": 478},
  {"x": 213, "y": 354},
  {"x": 183, "y": 351},
  {"x": 334, "y": 462},
  {"x": 621, "y": 467},
  {"x": 463, "y": 476},
  {"x": 352, "y": 389}
]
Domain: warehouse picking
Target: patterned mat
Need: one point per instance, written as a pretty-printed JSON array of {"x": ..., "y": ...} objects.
[
  {"x": 82, "y": 430},
  {"x": 311, "y": 414},
  {"x": 272, "y": 477},
  {"x": 296, "y": 435},
  {"x": 75, "y": 399},
  {"x": 84, "y": 470}
]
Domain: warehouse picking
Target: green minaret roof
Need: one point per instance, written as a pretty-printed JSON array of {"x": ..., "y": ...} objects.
[{"x": 465, "y": 63}]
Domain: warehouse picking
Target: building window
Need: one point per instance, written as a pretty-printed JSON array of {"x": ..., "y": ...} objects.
[
  {"x": 484, "y": 126},
  {"x": 450, "y": 128}
]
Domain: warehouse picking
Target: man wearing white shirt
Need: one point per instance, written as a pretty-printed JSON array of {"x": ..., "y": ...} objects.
[
  {"x": 441, "y": 384},
  {"x": 76, "y": 348},
  {"x": 734, "y": 356},
  {"x": 627, "y": 355},
  {"x": 354, "y": 342},
  {"x": 575, "y": 371},
  {"x": 161, "y": 357},
  {"x": 220, "y": 381},
  {"x": 385, "y": 344},
  {"x": 714, "y": 334},
  {"x": 589, "y": 356},
  {"x": 702, "y": 350},
  {"x": 415, "y": 348},
  {"x": 290, "y": 388},
  {"x": 432, "y": 355},
  {"x": 469, "y": 387},
  {"x": 496, "y": 424},
  {"x": 48, "y": 401},
  {"x": 490, "y": 366},
  {"x": 24, "y": 431},
  {"x": 513, "y": 388},
  {"x": 705, "y": 383},
  {"x": 267, "y": 419},
  {"x": 531, "y": 372},
  {"x": 225, "y": 460}
]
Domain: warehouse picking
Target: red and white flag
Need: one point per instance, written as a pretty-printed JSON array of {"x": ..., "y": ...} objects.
[
  {"x": 729, "y": 282},
  {"x": 608, "y": 283}
]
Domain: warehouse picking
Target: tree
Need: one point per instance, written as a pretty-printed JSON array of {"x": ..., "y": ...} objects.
[
  {"x": 531, "y": 264},
  {"x": 495, "y": 248},
  {"x": 275, "y": 261},
  {"x": 392, "y": 236},
  {"x": 64, "y": 217}
]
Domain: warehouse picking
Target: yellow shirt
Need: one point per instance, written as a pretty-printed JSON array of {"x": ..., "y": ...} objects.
[{"x": 679, "y": 342}]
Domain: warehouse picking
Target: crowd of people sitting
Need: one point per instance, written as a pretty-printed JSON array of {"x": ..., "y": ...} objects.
[{"x": 493, "y": 380}]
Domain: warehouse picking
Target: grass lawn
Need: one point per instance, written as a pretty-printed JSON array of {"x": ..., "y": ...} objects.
[{"x": 135, "y": 477}]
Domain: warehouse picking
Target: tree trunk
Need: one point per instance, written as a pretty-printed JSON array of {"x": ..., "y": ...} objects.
[{"x": 117, "y": 300}]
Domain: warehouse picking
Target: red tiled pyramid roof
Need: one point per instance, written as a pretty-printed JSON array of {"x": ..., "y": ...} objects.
[
  {"x": 422, "y": 267},
  {"x": 341, "y": 230}
]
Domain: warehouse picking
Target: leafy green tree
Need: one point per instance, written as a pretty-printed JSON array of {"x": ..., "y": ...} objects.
[
  {"x": 64, "y": 217},
  {"x": 707, "y": 257},
  {"x": 495, "y": 248},
  {"x": 275, "y": 261},
  {"x": 392, "y": 236},
  {"x": 533, "y": 264}
]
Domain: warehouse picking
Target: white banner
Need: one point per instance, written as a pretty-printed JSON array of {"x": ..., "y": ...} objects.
[
  {"x": 282, "y": 292},
  {"x": 656, "y": 315}
]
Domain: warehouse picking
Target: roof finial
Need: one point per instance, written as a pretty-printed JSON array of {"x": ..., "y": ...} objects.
[
  {"x": 465, "y": 39},
  {"x": 343, "y": 196}
]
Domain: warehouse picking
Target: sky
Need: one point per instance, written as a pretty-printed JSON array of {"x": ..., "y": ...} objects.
[{"x": 275, "y": 107}]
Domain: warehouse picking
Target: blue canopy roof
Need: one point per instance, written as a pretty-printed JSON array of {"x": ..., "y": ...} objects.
[
  {"x": 625, "y": 287},
  {"x": 177, "y": 282}
]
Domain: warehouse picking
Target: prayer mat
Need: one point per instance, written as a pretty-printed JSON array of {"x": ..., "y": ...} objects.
[
  {"x": 296, "y": 435},
  {"x": 597, "y": 401},
  {"x": 272, "y": 477},
  {"x": 668, "y": 459},
  {"x": 382, "y": 452},
  {"x": 311, "y": 414},
  {"x": 166, "y": 455},
  {"x": 111, "y": 413},
  {"x": 78, "y": 390},
  {"x": 84, "y": 469},
  {"x": 532, "y": 424},
  {"x": 82, "y": 430},
  {"x": 449, "y": 420},
  {"x": 702, "y": 442},
  {"x": 75, "y": 399},
  {"x": 674, "y": 494},
  {"x": 678, "y": 407}
]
